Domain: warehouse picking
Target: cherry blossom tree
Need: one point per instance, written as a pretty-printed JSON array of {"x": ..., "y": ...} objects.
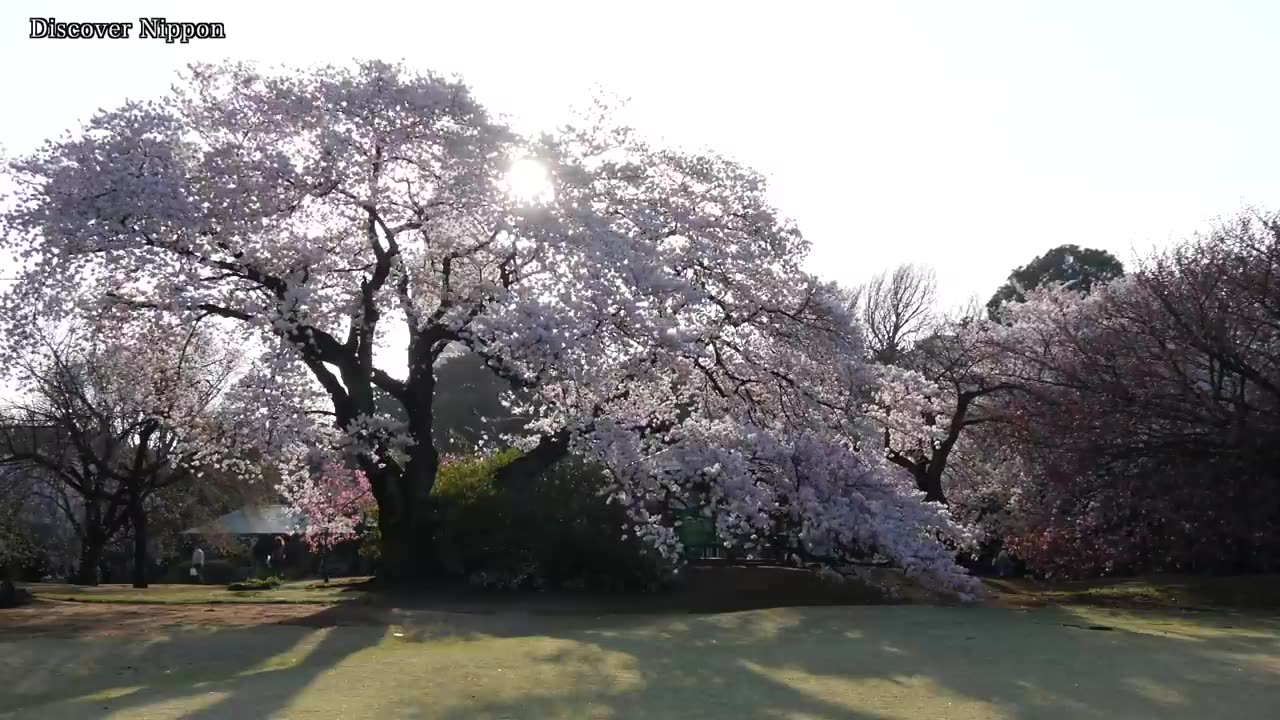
[
  {"x": 333, "y": 501},
  {"x": 778, "y": 451},
  {"x": 935, "y": 376},
  {"x": 111, "y": 422},
  {"x": 958, "y": 375},
  {"x": 362, "y": 220}
]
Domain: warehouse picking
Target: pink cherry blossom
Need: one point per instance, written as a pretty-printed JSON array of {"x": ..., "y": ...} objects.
[{"x": 332, "y": 502}]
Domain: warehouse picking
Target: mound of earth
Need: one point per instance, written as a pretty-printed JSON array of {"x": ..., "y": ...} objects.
[
  {"x": 708, "y": 588},
  {"x": 721, "y": 588}
]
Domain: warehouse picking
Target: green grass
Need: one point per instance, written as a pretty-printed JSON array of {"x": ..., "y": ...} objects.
[
  {"x": 1183, "y": 592},
  {"x": 833, "y": 663},
  {"x": 300, "y": 591},
  {"x": 270, "y": 583},
  {"x": 1098, "y": 649}
]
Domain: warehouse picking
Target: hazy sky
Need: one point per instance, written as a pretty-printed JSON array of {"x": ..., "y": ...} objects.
[{"x": 968, "y": 135}]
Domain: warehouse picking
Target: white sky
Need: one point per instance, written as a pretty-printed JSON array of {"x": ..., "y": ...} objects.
[{"x": 972, "y": 136}]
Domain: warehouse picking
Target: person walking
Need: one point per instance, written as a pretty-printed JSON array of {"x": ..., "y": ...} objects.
[
  {"x": 277, "y": 556},
  {"x": 1004, "y": 564},
  {"x": 197, "y": 565}
]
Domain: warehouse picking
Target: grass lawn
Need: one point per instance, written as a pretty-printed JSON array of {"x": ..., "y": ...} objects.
[
  {"x": 831, "y": 663},
  {"x": 1100, "y": 649},
  {"x": 302, "y": 591}
]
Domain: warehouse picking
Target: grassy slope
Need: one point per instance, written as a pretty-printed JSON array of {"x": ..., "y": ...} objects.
[{"x": 834, "y": 663}]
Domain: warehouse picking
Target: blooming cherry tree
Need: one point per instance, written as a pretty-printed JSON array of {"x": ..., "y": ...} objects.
[
  {"x": 116, "y": 416},
  {"x": 332, "y": 501},
  {"x": 651, "y": 299}
]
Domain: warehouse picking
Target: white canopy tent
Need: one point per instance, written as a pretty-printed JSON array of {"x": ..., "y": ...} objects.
[{"x": 254, "y": 520}]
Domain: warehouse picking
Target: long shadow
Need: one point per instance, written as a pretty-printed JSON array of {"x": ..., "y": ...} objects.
[
  {"x": 814, "y": 663},
  {"x": 262, "y": 693},
  {"x": 907, "y": 661},
  {"x": 246, "y": 671}
]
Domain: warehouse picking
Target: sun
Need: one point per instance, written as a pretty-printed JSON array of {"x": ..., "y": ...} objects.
[{"x": 528, "y": 181}]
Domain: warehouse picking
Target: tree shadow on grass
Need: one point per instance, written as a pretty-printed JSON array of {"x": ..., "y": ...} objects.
[
  {"x": 829, "y": 663},
  {"x": 191, "y": 672},
  {"x": 888, "y": 662}
]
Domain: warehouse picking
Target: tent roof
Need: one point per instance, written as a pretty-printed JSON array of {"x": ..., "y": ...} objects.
[{"x": 254, "y": 520}]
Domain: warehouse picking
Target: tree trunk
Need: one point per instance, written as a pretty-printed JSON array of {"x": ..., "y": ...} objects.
[
  {"x": 325, "y": 545},
  {"x": 932, "y": 487},
  {"x": 404, "y": 497},
  {"x": 929, "y": 481},
  {"x": 91, "y": 549},
  {"x": 138, "y": 517},
  {"x": 408, "y": 545},
  {"x": 404, "y": 517}
]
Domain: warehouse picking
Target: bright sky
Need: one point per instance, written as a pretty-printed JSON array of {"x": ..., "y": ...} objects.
[{"x": 971, "y": 136}]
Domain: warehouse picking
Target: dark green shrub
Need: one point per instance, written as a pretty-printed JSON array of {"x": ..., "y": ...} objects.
[
  {"x": 552, "y": 531},
  {"x": 470, "y": 516}
]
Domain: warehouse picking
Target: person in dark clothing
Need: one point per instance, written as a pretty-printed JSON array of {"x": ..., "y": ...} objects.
[
  {"x": 277, "y": 554},
  {"x": 262, "y": 554},
  {"x": 1005, "y": 565}
]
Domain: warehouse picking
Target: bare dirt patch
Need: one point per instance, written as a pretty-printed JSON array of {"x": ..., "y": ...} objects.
[
  {"x": 51, "y": 618},
  {"x": 712, "y": 589}
]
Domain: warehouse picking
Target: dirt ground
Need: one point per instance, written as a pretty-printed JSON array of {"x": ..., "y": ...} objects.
[
  {"x": 60, "y": 619},
  {"x": 708, "y": 590}
]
